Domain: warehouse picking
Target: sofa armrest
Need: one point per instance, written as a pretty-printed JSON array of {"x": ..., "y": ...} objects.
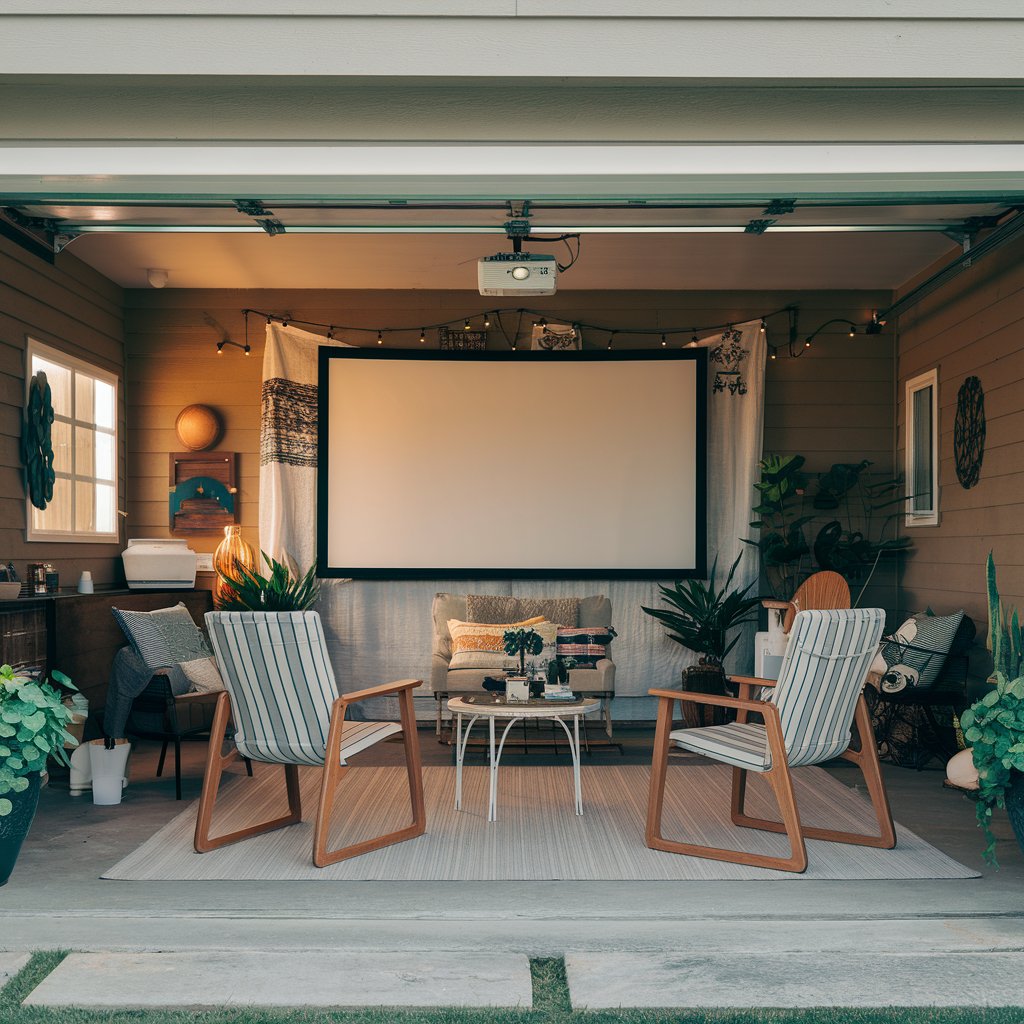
[
  {"x": 605, "y": 669},
  {"x": 439, "y": 674}
]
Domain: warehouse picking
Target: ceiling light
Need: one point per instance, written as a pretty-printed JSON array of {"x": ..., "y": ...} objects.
[{"x": 156, "y": 277}]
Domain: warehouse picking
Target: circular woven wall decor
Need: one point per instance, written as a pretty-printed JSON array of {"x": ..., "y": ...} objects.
[
  {"x": 969, "y": 432},
  {"x": 198, "y": 427}
]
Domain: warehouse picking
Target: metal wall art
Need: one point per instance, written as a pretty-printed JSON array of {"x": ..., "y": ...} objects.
[{"x": 969, "y": 432}]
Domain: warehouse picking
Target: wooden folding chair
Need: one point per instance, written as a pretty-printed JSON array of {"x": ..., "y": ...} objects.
[
  {"x": 281, "y": 694},
  {"x": 808, "y": 719}
]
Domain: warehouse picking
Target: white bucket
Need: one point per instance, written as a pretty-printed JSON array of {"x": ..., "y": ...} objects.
[{"x": 108, "y": 771}]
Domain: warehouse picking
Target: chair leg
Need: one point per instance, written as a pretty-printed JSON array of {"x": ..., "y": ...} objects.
[
  {"x": 215, "y": 762},
  {"x": 866, "y": 758},
  {"x": 160, "y": 763},
  {"x": 177, "y": 767},
  {"x": 333, "y": 772},
  {"x": 248, "y": 766},
  {"x": 778, "y": 777}
]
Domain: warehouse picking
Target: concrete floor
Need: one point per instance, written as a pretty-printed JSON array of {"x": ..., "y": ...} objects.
[{"x": 56, "y": 899}]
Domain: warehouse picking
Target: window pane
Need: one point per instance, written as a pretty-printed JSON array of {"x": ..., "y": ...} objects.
[
  {"x": 85, "y": 506},
  {"x": 57, "y": 515},
  {"x": 104, "y": 456},
  {"x": 922, "y": 483},
  {"x": 59, "y": 379},
  {"x": 85, "y": 451},
  {"x": 83, "y": 398},
  {"x": 60, "y": 438},
  {"x": 104, "y": 415},
  {"x": 105, "y": 510}
]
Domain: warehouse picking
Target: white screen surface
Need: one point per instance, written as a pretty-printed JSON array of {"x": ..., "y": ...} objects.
[{"x": 527, "y": 465}]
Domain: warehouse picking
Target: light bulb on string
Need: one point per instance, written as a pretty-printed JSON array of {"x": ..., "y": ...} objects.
[
  {"x": 423, "y": 335},
  {"x": 764, "y": 326},
  {"x": 247, "y": 350},
  {"x": 694, "y": 341},
  {"x": 330, "y": 333},
  {"x": 487, "y": 320},
  {"x": 220, "y": 347},
  {"x": 663, "y": 341},
  {"x": 380, "y": 337},
  {"x": 853, "y": 331},
  {"x": 611, "y": 338},
  {"x": 467, "y": 325}
]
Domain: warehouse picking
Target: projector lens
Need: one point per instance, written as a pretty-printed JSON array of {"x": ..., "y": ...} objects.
[{"x": 521, "y": 273}]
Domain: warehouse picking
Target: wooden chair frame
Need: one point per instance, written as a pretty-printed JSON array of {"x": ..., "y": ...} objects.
[
  {"x": 778, "y": 776},
  {"x": 332, "y": 774}
]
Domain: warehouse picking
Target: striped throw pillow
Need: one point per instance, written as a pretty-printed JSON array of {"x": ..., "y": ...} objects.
[
  {"x": 922, "y": 643},
  {"x": 586, "y": 645},
  {"x": 167, "y": 636}
]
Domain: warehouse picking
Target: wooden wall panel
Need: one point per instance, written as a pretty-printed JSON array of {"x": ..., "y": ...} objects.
[
  {"x": 834, "y": 403},
  {"x": 70, "y": 307},
  {"x": 974, "y": 325}
]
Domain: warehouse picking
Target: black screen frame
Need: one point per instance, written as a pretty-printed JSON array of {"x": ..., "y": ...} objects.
[{"x": 327, "y": 353}]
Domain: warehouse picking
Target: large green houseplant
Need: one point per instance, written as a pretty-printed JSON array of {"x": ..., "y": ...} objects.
[
  {"x": 280, "y": 591},
  {"x": 701, "y": 616},
  {"x": 994, "y": 727},
  {"x": 33, "y": 727}
]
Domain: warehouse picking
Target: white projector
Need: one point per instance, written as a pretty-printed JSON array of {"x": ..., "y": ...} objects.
[{"x": 517, "y": 273}]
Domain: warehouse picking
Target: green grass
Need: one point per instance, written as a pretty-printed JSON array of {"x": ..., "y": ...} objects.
[{"x": 550, "y": 999}]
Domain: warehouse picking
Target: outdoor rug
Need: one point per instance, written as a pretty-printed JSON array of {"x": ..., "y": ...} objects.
[{"x": 537, "y": 835}]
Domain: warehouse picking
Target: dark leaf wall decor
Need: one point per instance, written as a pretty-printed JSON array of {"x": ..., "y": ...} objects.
[{"x": 969, "y": 432}]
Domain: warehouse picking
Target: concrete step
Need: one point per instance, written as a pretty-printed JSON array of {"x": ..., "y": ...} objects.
[
  {"x": 214, "y": 979},
  {"x": 10, "y": 964},
  {"x": 793, "y": 980}
]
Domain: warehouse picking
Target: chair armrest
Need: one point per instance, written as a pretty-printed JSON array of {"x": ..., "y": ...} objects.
[
  {"x": 210, "y": 697},
  {"x": 769, "y": 602},
  {"x": 751, "y": 681},
  {"x": 712, "y": 699},
  {"x": 380, "y": 691}
]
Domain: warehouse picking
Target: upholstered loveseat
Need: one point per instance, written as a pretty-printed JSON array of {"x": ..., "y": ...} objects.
[{"x": 597, "y": 681}]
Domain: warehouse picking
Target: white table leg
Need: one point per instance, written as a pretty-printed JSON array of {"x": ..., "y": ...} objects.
[
  {"x": 492, "y": 803},
  {"x": 458, "y": 762},
  {"x": 574, "y": 749}
]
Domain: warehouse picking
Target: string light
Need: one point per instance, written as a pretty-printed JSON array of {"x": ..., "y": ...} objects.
[
  {"x": 773, "y": 355},
  {"x": 467, "y": 325},
  {"x": 853, "y": 330},
  {"x": 487, "y": 320},
  {"x": 380, "y": 338},
  {"x": 764, "y": 326},
  {"x": 247, "y": 350},
  {"x": 663, "y": 341},
  {"x": 694, "y": 341},
  {"x": 807, "y": 343},
  {"x": 220, "y": 347},
  {"x": 611, "y": 338},
  {"x": 423, "y": 335},
  {"x": 330, "y": 334}
]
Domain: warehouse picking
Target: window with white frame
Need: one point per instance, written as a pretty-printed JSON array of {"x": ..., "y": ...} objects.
[
  {"x": 922, "y": 449},
  {"x": 84, "y": 439}
]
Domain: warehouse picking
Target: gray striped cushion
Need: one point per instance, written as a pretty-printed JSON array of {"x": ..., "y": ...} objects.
[
  {"x": 276, "y": 670},
  {"x": 742, "y": 744},
  {"x": 163, "y": 637},
  {"x": 822, "y": 675},
  {"x": 934, "y": 637}
]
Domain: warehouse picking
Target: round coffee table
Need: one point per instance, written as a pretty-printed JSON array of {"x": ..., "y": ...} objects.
[{"x": 513, "y": 713}]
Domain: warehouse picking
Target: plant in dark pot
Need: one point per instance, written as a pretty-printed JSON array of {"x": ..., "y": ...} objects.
[
  {"x": 701, "y": 617},
  {"x": 33, "y": 727},
  {"x": 994, "y": 727}
]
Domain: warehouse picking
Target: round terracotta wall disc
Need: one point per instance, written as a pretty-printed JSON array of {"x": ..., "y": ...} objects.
[{"x": 198, "y": 427}]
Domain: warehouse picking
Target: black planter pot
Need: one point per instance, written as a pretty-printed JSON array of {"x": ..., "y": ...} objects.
[
  {"x": 14, "y": 826},
  {"x": 1015, "y": 806}
]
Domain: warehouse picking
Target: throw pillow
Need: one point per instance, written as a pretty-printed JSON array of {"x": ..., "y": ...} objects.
[
  {"x": 163, "y": 637},
  {"x": 586, "y": 645},
  {"x": 203, "y": 674},
  {"x": 482, "y": 645},
  {"x": 922, "y": 644},
  {"x": 499, "y": 608}
]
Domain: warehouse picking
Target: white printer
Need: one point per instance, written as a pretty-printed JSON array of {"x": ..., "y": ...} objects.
[{"x": 159, "y": 563}]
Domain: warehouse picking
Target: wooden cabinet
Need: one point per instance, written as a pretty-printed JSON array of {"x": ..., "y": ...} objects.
[{"x": 77, "y": 634}]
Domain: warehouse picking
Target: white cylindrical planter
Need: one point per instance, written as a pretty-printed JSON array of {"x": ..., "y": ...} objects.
[{"x": 108, "y": 771}]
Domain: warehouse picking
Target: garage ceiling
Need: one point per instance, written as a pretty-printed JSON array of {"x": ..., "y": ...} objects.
[{"x": 768, "y": 244}]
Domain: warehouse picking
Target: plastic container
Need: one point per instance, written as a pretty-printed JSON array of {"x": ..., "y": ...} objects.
[{"x": 109, "y": 770}]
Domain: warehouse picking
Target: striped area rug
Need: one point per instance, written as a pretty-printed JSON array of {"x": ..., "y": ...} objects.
[{"x": 536, "y": 837}]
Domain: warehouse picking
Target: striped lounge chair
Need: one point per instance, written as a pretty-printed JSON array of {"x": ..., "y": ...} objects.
[
  {"x": 280, "y": 692},
  {"x": 807, "y": 718}
]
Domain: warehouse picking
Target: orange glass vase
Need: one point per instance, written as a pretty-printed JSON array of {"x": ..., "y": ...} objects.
[{"x": 232, "y": 552}]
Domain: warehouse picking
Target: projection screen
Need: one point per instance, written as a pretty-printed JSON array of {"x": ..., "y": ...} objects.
[{"x": 530, "y": 465}]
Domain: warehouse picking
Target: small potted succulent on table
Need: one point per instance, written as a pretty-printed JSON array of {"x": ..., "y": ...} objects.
[{"x": 520, "y": 641}]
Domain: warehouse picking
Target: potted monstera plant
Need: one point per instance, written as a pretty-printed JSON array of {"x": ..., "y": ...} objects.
[{"x": 33, "y": 727}]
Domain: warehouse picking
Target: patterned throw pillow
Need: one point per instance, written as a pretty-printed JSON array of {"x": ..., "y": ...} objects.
[
  {"x": 163, "y": 637},
  {"x": 922, "y": 644},
  {"x": 499, "y": 608},
  {"x": 482, "y": 645},
  {"x": 586, "y": 645},
  {"x": 203, "y": 674}
]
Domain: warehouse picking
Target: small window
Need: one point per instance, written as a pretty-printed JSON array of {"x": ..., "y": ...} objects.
[
  {"x": 922, "y": 452},
  {"x": 84, "y": 437}
]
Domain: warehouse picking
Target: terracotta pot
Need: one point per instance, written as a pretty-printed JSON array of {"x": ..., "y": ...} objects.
[{"x": 14, "y": 826}]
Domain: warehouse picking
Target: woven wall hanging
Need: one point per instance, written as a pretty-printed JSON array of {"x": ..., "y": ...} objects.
[{"x": 969, "y": 432}]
